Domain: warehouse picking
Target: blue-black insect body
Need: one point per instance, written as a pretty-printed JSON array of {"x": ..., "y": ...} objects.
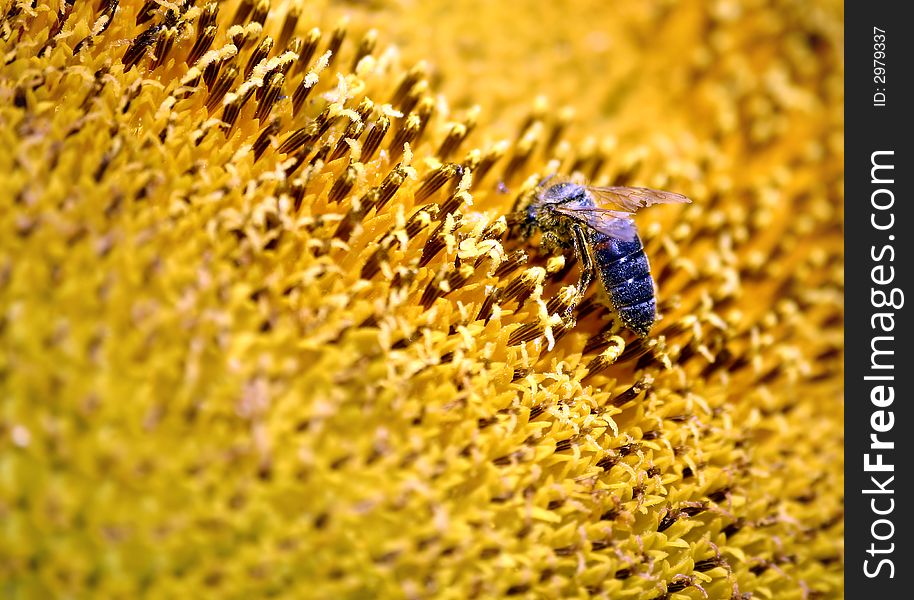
[
  {"x": 597, "y": 223},
  {"x": 626, "y": 276}
]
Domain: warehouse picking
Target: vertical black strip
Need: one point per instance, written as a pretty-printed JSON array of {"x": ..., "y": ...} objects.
[{"x": 879, "y": 262}]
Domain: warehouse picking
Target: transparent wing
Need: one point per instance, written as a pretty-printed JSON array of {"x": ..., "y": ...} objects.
[
  {"x": 630, "y": 199},
  {"x": 614, "y": 223}
]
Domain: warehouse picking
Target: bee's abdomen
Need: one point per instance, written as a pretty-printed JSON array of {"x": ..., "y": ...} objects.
[{"x": 626, "y": 276}]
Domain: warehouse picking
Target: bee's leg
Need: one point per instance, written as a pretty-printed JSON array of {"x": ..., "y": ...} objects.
[{"x": 587, "y": 268}]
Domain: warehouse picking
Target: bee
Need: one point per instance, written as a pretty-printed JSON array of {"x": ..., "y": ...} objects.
[{"x": 596, "y": 222}]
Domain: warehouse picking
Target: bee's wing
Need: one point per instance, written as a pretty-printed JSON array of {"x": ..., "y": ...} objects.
[
  {"x": 614, "y": 223},
  {"x": 630, "y": 199}
]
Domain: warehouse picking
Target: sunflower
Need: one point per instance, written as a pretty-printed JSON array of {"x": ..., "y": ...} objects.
[{"x": 268, "y": 331}]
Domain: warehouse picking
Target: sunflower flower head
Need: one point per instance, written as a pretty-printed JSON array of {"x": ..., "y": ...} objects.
[{"x": 268, "y": 328}]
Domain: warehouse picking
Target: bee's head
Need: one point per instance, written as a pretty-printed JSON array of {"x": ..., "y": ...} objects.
[{"x": 523, "y": 216}]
